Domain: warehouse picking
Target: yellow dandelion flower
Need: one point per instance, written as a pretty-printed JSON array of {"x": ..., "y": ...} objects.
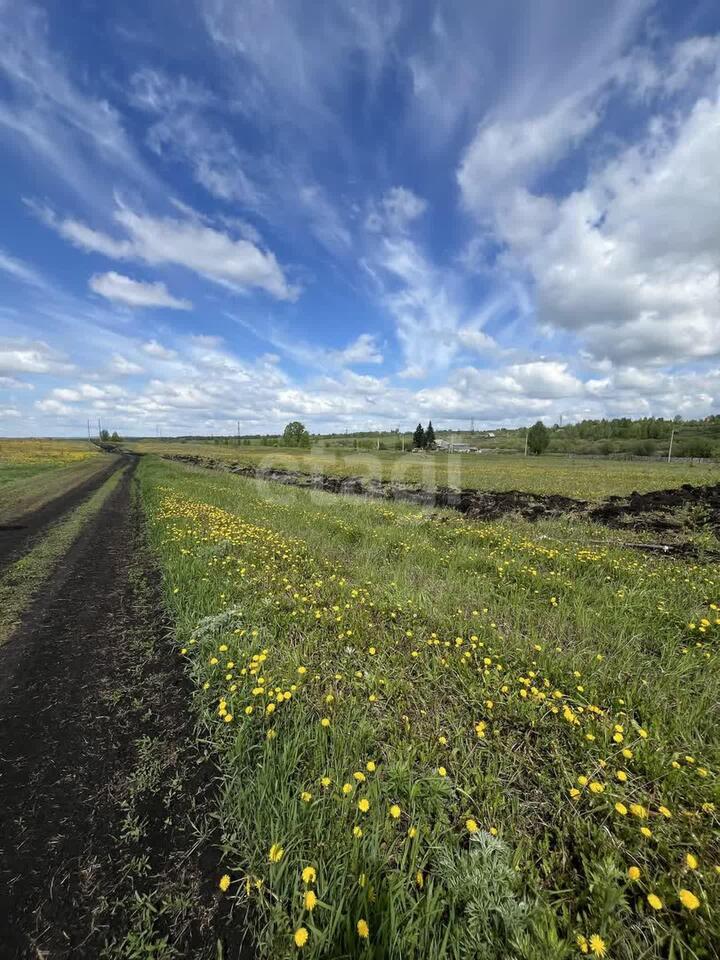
[
  {"x": 634, "y": 873},
  {"x": 582, "y": 943},
  {"x": 597, "y": 946},
  {"x": 621, "y": 809},
  {"x": 224, "y": 882},
  {"x": 363, "y": 929},
  {"x": 442, "y": 771},
  {"x": 363, "y": 805},
  {"x": 325, "y": 722},
  {"x": 276, "y": 853},
  {"x": 689, "y": 900},
  {"x": 646, "y": 832},
  {"x": 309, "y": 900},
  {"x": 357, "y": 832},
  {"x": 301, "y": 937},
  {"x": 395, "y": 811},
  {"x": 419, "y": 879},
  {"x": 471, "y": 825},
  {"x": 309, "y": 875},
  {"x": 655, "y": 901}
]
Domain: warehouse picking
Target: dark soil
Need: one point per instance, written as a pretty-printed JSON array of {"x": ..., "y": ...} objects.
[
  {"x": 16, "y": 537},
  {"x": 661, "y": 511},
  {"x": 102, "y": 785}
]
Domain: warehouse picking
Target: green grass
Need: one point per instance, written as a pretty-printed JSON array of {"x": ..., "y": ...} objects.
[
  {"x": 23, "y": 580},
  {"x": 26, "y": 488},
  {"x": 507, "y": 654},
  {"x": 581, "y": 478}
]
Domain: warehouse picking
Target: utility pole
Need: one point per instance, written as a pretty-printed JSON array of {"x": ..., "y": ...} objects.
[
  {"x": 672, "y": 434},
  {"x": 526, "y": 440}
]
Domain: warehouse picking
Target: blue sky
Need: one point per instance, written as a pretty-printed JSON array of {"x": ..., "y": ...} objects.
[{"x": 358, "y": 215}]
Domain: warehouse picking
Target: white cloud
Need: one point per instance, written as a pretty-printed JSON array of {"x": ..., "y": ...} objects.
[
  {"x": 505, "y": 154},
  {"x": 20, "y": 270},
  {"x": 20, "y": 355},
  {"x": 123, "y": 366},
  {"x": 134, "y": 293},
  {"x": 632, "y": 261},
  {"x": 154, "y": 349},
  {"x": 212, "y": 253},
  {"x": 397, "y": 209}
]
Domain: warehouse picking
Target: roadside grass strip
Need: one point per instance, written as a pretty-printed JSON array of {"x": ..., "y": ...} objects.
[
  {"x": 445, "y": 739},
  {"x": 23, "y": 579}
]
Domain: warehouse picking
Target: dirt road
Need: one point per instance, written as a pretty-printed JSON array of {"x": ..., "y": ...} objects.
[{"x": 99, "y": 775}]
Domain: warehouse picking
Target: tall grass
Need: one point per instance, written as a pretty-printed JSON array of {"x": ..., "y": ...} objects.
[{"x": 524, "y": 719}]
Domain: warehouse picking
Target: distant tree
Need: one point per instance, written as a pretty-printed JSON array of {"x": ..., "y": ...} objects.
[
  {"x": 295, "y": 435},
  {"x": 429, "y": 435},
  {"x": 419, "y": 437},
  {"x": 115, "y": 438},
  {"x": 538, "y": 438},
  {"x": 104, "y": 435}
]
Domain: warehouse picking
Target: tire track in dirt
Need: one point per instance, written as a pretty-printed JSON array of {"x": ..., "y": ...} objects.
[
  {"x": 16, "y": 537},
  {"x": 100, "y": 776}
]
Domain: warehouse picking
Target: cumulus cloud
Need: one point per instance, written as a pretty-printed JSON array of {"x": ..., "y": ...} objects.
[
  {"x": 214, "y": 254},
  {"x": 135, "y": 293},
  {"x": 22, "y": 355}
]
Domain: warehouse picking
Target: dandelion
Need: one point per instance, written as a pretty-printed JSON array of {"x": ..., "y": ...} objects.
[
  {"x": 582, "y": 943},
  {"x": 691, "y": 861},
  {"x": 325, "y": 722},
  {"x": 363, "y": 929},
  {"x": 370, "y": 766},
  {"x": 419, "y": 879},
  {"x": 646, "y": 832},
  {"x": 471, "y": 825},
  {"x": 309, "y": 875},
  {"x": 224, "y": 882},
  {"x": 665, "y": 812},
  {"x": 305, "y": 796},
  {"x": 634, "y": 873},
  {"x": 276, "y": 853},
  {"x": 596, "y": 787},
  {"x": 621, "y": 809},
  {"x": 442, "y": 771},
  {"x": 689, "y": 900},
  {"x": 357, "y": 832},
  {"x": 655, "y": 901},
  {"x": 395, "y": 811},
  {"x": 597, "y": 946},
  {"x": 301, "y": 937},
  {"x": 363, "y": 805},
  {"x": 347, "y": 788},
  {"x": 309, "y": 900},
  {"x": 412, "y": 832}
]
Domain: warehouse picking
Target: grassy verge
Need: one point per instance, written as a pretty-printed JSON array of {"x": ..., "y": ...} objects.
[
  {"x": 30, "y": 491},
  {"x": 444, "y": 739},
  {"x": 21, "y": 581}
]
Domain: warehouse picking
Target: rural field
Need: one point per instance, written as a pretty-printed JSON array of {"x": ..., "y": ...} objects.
[{"x": 343, "y": 727}]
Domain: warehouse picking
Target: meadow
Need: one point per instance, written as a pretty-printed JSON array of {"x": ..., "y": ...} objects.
[
  {"x": 33, "y": 472},
  {"x": 439, "y": 738},
  {"x": 581, "y": 478}
]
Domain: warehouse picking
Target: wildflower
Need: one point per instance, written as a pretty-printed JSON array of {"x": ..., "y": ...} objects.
[
  {"x": 442, "y": 771},
  {"x": 370, "y": 766},
  {"x": 471, "y": 825},
  {"x": 357, "y": 832},
  {"x": 347, "y": 788},
  {"x": 638, "y": 810},
  {"x": 596, "y": 787},
  {"x": 597, "y": 946},
  {"x": 621, "y": 809},
  {"x": 691, "y": 861},
  {"x": 574, "y": 792},
  {"x": 621, "y": 775},
  {"x": 363, "y": 929},
  {"x": 325, "y": 722},
  {"x": 419, "y": 879},
  {"x": 359, "y": 776},
  {"x": 326, "y": 782},
  {"x": 363, "y": 805},
  {"x": 582, "y": 943},
  {"x": 305, "y": 796},
  {"x": 309, "y": 875},
  {"x": 689, "y": 900},
  {"x": 309, "y": 900},
  {"x": 301, "y": 937},
  {"x": 412, "y": 832},
  {"x": 276, "y": 853},
  {"x": 665, "y": 812},
  {"x": 646, "y": 832},
  {"x": 634, "y": 873},
  {"x": 655, "y": 901},
  {"x": 224, "y": 882},
  {"x": 395, "y": 811}
]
